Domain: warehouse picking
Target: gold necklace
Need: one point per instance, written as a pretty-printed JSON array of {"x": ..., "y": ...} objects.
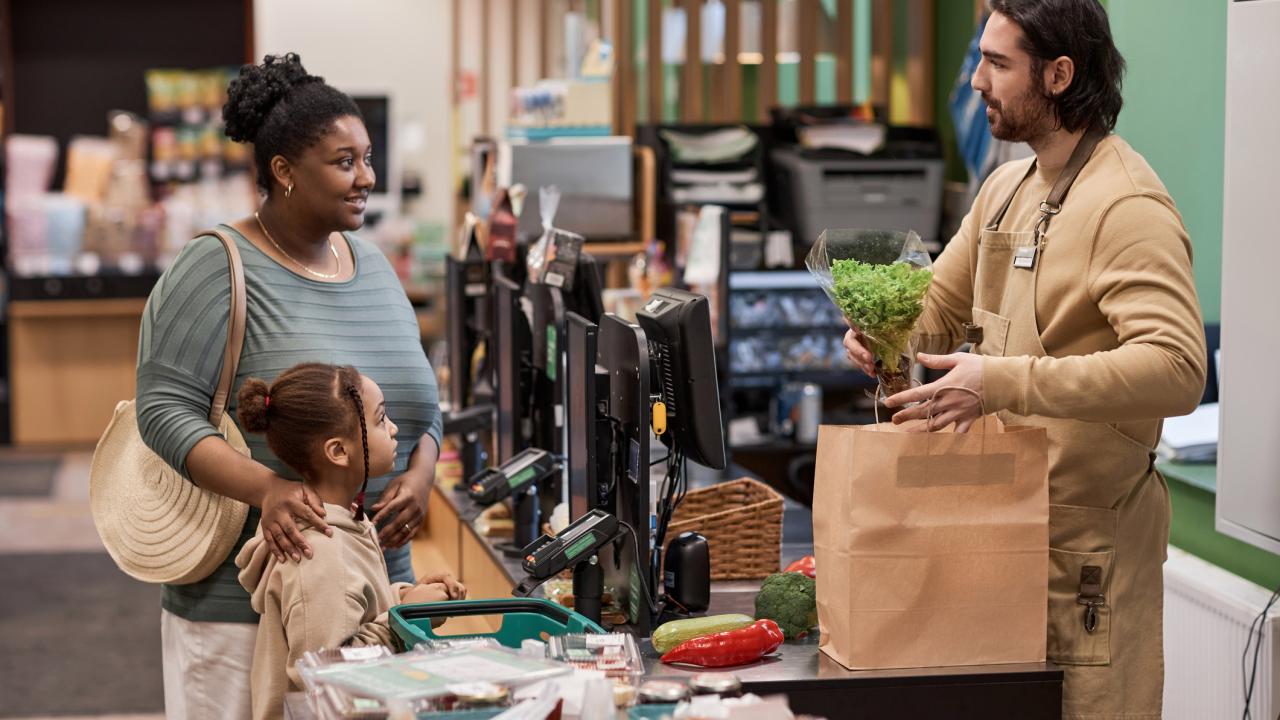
[{"x": 332, "y": 249}]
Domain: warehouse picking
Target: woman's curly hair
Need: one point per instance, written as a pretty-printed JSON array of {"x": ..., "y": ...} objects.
[{"x": 281, "y": 110}]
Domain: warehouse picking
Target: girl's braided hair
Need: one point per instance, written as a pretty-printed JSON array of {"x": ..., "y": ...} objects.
[
  {"x": 354, "y": 392},
  {"x": 307, "y": 404}
]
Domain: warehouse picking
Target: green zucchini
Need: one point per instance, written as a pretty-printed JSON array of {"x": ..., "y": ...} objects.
[{"x": 671, "y": 634}]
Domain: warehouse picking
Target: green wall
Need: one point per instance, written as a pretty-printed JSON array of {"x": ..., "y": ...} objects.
[
  {"x": 1192, "y": 530},
  {"x": 951, "y": 40},
  {"x": 1174, "y": 93}
]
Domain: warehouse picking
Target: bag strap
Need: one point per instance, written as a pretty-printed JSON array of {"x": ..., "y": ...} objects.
[
  {"x": 1053, "y": 204},
  {"x": 235, "y": 328}
]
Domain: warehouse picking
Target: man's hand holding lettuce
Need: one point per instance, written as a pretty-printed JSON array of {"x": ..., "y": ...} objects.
[{"x": 879, "y": 280}]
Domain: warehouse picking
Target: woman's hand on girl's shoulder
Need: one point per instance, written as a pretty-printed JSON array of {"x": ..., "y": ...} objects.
[{"x": 284, "y": 503}]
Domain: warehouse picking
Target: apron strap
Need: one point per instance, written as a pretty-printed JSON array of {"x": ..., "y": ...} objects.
[{"x": 1053, "y": 204}]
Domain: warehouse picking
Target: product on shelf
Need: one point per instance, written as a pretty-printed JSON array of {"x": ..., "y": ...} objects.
[{"x": 133, "y": 198}]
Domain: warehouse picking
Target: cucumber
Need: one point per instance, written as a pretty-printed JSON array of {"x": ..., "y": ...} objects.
[{"x": 671, "y": 634}]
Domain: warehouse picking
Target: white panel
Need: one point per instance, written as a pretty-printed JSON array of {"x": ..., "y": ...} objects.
[{"x": 1248, "y": 501}]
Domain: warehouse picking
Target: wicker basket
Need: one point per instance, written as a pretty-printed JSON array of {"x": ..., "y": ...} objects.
[{"x": 742, "y": 521}]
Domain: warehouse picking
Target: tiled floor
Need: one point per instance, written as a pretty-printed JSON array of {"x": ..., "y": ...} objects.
[{"x": 58, "y": 523}]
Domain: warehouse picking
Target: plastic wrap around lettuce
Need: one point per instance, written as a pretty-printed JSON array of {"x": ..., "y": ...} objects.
[{"x": 878, "y": 279}]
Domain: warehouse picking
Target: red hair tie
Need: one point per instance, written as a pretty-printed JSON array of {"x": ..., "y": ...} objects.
[{"x": 266, "y": 401}]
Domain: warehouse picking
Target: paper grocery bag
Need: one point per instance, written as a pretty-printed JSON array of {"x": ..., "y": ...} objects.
[{"x": 932, "y": 548}]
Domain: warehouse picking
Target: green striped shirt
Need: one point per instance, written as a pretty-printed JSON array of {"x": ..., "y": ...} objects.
[{"x": 366, "y": 322}]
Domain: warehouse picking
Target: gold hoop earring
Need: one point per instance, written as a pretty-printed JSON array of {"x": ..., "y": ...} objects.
[{"x": 288, "y": 191}]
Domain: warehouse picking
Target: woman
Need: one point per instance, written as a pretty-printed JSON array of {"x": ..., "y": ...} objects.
[{"x": 314, "y": 294}]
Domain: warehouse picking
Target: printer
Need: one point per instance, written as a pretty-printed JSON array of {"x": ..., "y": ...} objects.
[{"x": 899, "y": 187}]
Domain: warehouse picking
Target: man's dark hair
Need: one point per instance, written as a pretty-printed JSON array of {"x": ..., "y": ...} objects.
[
  {"x": 1077, "y": 29},
  {"x": 282, "y": 110}
]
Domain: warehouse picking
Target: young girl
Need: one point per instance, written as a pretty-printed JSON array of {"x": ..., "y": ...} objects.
[{"x": 328, "y": 423}]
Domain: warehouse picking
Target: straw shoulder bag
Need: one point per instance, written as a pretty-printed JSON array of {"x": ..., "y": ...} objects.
[{"x": 158, "y": 526}]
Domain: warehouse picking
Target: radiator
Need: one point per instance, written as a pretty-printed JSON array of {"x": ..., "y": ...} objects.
[{"x": 1207, "y": 612}]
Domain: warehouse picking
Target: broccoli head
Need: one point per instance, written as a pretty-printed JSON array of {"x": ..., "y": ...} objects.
[{"x": 789, "y": 599}]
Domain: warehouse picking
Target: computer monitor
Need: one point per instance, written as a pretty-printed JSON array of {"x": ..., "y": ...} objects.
[
  {"x": 548, "y": 391},
  {"x": 375, "y": 108},
  {"x": 511, "y": 344},
  {"x": 577, "y": 291},
  {"x": 582, "y": 338},
  {"x": 377, "y": 121},
  {"x": 466, "y": 326},
  {"x": 624, "y": 354},
  {"x": 585, "y": 298},
  {"x": 677, "y": 325}
]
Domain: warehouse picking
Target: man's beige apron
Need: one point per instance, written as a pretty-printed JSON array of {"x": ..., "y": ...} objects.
[{"x": 1108, "y": 515}]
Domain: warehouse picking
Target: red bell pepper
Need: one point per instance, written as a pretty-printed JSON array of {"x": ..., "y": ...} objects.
[
  {"x": 726, "y": 649},
  {"x": 804, "y": 565}
]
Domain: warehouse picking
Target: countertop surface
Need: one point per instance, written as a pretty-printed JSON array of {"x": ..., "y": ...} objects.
[
  {"x": 796, "y": 661},
  {"x": 814, "y": 683}
]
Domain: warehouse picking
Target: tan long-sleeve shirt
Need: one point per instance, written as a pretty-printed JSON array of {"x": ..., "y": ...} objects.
[
  {"x": 340, "y": 596},
  {"x": 1115, "y": 299}
]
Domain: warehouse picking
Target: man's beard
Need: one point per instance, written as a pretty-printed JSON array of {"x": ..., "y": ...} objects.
[{"x": 1027, "y": 119}]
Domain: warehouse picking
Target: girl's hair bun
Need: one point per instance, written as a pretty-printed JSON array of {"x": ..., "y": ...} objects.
[{"x": 251, "y": 406}]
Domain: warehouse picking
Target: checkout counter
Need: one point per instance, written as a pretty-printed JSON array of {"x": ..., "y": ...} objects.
[
  {"x": 813, "y": 683},
  {"x": 616, "y": 381}
]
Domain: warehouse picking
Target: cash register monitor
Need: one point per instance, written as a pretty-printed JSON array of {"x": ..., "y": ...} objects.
[
  {"x": 511, "y": 344},
  {"x": 677, "y": 325},
  {"x": 579, "y": 293},
  {"x": 624, "y": 354},
  {"x": 580, "y": 415},
  {"x": 585, "y": 298},
  {"x": 466, "y": 288}
]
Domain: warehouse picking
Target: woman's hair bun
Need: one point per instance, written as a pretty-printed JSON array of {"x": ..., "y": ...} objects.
[
  {"x": 251, "y": 405},
  {"x": 258, "y": 89}
]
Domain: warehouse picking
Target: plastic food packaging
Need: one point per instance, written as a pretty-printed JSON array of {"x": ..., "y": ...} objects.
[
  {"x": 329, "y": 701},
  {"x": 548, "y": 204},
  {"x": 614, "y": 654},
  {"x": 378, "y": 685},
  {"x": 878, "y": 279}
]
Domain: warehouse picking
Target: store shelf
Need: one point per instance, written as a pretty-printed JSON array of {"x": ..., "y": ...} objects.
[{"x": 82, "y": 287}]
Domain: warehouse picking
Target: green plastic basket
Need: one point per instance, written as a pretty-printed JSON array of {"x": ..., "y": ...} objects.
[{"x": 522, "y": 619}]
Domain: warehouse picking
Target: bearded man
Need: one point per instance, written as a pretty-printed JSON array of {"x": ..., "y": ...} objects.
[{"x": 1082, "y": 317}]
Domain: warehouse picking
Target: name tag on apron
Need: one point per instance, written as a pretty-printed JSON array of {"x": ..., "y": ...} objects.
[{"x": 1025, "y": 257}]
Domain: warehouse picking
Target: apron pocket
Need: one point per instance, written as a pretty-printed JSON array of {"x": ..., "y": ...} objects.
[
  {"x": 995, "y": 332},
  {"x": 1082, "y": 542},
  {"x": 1079, "y": 609}
]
